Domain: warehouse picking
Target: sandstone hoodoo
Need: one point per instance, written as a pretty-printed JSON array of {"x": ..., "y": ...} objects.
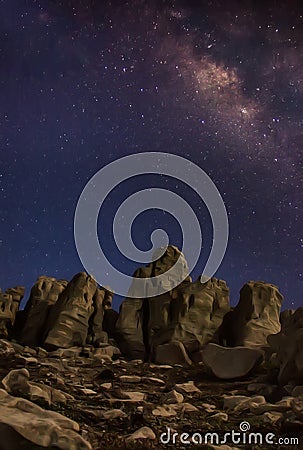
[
  {"x": 189, "y": 313},
  {"x": 44, "y": 295},
  {"x": 75, "y": 374},
  {"x": 256, "y": 316},
  {"x": 62, "y": 314},
  {"x": 9, "y": 305}
]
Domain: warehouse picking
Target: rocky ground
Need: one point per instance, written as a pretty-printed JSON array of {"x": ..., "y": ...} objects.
[
  {"x": 74, "y": 373},
  {"x": 111, "y": 399}
]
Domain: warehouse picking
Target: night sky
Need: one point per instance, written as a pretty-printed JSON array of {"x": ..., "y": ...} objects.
[{"x": 86, "y": 82}]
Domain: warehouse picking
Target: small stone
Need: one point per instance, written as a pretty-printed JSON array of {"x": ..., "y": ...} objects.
[
  {"x": 129, "y": 397},
  {"x": 173, "y": 397},
  {"x": 30, "y": 360},
  {"x": 106, "y": 385},
  {"x": 208, "y": 407},
  {"x": 130, "y": 378},
  {"x": 154, "y": 380},
  {"x": 281, "y": 406},
  {"x": 41, "y": 352},
  {"x": 220, "y": 416},
  {"x": 114, "y": 414},
  {"x": 187, "y": 388},
  {"x": 108, "y": 350},
  {"x": 88, "y": 391},
  {"x": 185, "y": 407},
  {"x": 241, "y": 402},
  {"x": 30, "y": 351},
  {"x": 141, "y": 433},
  {"x": 103, "y": 359},
  {"x": 71, "y": 352},
  {"x": 160, "y": 366}
]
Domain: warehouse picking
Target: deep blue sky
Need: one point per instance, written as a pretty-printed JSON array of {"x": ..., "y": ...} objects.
[{"x": 86, "y": 82}]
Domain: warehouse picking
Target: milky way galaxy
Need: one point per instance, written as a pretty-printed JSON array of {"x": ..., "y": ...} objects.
[{"x": 86, "y": 82}]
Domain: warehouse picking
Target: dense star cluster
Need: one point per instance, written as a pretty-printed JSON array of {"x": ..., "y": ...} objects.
[{"x": 86, "y": 82}]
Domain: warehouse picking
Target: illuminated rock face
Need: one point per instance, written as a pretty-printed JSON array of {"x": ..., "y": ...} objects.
[
  {"x": 62, "y": 314},
  {"x": 192, "y": 315},
  {"x": 44, "y": 295},
  {"x": 189, "y": 313},
  {"x": 68, "y": 321},
  {"x": 9, "y": 306},
  {"x": 256, "y": 316},
  {"x": 132, "y": 327}
]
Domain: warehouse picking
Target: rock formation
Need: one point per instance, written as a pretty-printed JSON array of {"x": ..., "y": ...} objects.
[
  {"x": 132, "y": 323},
  {"x": 192, "y": 315},
  {"x": 9, "y": 305},
  {"x": 44, "y": 295},
  {"x": 68, "y": 322},
  {"x": 188, "y": 314},
  {"x": 67, "y": 359},
  {"x": 256, "y": 316}
]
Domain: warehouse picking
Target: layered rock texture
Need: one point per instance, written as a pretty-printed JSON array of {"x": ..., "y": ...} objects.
[
  {"x": 75, "y": 374},
  {"x": 255, "y": 317},
  {"x": 61, "y": 314},
  {"x": 44, "y": 295},
  {"x": 188, "y": 314},
  {"x": 9, "y": 305},
  {"x": 175, "y": 325}
]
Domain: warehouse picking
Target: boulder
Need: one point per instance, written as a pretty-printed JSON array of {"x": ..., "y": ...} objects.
[
  {"x": 231, "y": 362},
  {"x": 17, "y": 383},
  {"x": 254, "y": 318},
  {"x": 141, "y": 433},
  {"x": 68, "y": 322},
  {"x": 288, "y": 345},
  {"x": 44, "y": 294},
  {"x": 22, "y": 422}
]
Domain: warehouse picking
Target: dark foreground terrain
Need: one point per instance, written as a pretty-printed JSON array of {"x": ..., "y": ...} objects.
[{"x": 99, "y": 402}]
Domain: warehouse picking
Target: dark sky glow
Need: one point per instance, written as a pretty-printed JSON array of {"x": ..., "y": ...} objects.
[{"x": 86, "y": 82}]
